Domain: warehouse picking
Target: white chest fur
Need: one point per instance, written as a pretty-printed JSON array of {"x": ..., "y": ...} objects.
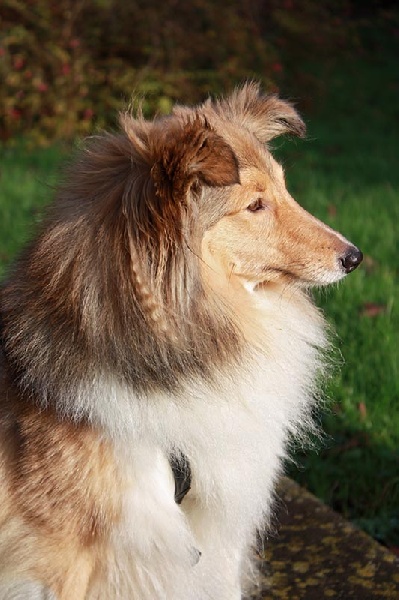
[{"x": 234, "y": 436}]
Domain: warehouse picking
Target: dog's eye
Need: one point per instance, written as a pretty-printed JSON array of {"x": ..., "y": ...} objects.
[{"x": 256, "y": 205}]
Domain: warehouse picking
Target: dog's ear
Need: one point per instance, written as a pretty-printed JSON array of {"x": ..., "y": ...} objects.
[
  {"x": 182, "y": 153},
  {"x": 194, "y": 151},
  {"x": 266, "y": 116}
]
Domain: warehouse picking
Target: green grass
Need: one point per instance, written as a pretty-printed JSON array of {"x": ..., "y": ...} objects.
[
  {"x": 27, "y": 181},
  {"x": 347, "y": 174}
]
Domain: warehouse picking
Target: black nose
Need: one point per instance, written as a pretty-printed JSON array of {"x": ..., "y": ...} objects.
[{"x": 351, "y": 259}]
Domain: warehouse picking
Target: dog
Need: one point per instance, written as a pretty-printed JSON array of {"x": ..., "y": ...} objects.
[{"x": 159, "y": 351}]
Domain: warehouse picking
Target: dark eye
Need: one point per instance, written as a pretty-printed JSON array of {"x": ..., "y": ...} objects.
[{"x": 256, "y": 205}]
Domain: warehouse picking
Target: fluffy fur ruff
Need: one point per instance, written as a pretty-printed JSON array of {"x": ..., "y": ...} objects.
[{"x": 161, "y": 311}]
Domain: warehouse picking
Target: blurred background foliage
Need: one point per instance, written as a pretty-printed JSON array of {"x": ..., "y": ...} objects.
[{"x": 69, "y": 65}]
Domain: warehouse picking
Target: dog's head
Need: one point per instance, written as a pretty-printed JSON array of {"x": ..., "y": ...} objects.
[
  {"x": 150, "y": 223},
  {"x": 214, "y": 191}
]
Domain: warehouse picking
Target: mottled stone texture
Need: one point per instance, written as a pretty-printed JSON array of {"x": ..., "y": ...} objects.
[{"x": 316, "y": 554}]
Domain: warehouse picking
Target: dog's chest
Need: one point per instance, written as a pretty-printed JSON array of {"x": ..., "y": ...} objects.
[{"x": 233, "y": 435}]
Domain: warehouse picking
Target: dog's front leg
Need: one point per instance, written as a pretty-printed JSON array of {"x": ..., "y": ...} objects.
[
  {"x": 229, "y": 500},
  {"x": 223, "y": 554},
  {"x": 152, "y": 552}
]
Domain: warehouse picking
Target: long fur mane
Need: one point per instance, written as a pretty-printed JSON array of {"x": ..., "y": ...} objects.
[{"x": 115, "y": 273}]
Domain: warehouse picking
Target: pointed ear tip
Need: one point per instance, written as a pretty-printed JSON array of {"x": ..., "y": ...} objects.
[
  {"x": 300, "y": 128},
  {"x": 296, "y": 125}
]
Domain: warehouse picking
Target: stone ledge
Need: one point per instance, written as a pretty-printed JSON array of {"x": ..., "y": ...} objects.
[{"x": 316, "y": 554}]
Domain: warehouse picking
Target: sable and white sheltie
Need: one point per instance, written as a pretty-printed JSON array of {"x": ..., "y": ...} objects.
[{"x": 158, "y": 333}]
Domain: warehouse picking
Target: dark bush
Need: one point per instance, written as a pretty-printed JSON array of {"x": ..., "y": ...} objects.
[{"x": 68, "y": 64}]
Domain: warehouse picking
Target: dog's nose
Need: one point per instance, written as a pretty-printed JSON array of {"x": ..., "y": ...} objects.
[{"x": 351, "y": 259}]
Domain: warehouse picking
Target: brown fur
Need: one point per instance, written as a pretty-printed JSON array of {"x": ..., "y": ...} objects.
[
  {"x": 137, "y": 273},
  {"x": 68, "y": 278},
  {"x": 58, "y": 517}
]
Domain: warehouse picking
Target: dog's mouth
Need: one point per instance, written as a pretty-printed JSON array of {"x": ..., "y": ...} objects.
[
  {"x": 313, "y": 274},
  {"x": 268, "y": 270}
]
